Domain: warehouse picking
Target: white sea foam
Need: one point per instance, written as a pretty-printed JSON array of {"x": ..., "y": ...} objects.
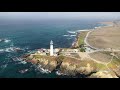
[
  {"x": 45, "y": 70},
  {"x": 4, "y": 66},
  {"x": 5, "y": 50},
  {"x": 15, "y": 59},
  {"x": 73, "y": 32},
  {"x": 7, "y": 40},
  {"x": 42, "y": 70},
  {"x": 23, "y": 71},
  {"x": 69, "y": 35},
  {"x": 10, "y": 49},
  {"x": 66, "y": 35},
  {"x": 72, "y": 35},
  {"x": 1, "y": 50},
  {"x": 58, "y": 73},
  {"x": 99, "y": 27},
  {"x": 23, "y": 62},
  {"x": 83, "y": 30}
]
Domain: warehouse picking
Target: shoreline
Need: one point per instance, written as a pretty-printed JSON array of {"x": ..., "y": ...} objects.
[
  {"x": 74, "y": 44},
  {"x": 72, "y": 66},
  {"x": 103, "y": 37}
]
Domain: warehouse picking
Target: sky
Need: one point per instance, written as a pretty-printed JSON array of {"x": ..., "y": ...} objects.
[{"x": 59, "y": 15}]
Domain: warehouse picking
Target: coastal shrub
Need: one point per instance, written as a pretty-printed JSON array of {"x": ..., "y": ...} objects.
[
  {"x": 81, "y": 45},
  {"x": 48, "y": 54},
  {"x": 60, "y": 58},
  {"x": 82, "y": 49}
]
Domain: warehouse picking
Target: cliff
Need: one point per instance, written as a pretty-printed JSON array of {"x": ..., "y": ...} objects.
[{"x": 73, "y": 67}]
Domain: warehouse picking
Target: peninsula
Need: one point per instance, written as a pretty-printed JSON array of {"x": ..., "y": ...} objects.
[{"x": 94, "y": 54}]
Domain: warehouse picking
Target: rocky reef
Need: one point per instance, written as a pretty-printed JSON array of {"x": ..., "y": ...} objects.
[{"x": 72, "y": 67}]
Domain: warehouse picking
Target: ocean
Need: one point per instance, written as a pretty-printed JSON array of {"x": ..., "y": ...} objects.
[{"x": 30, "y": 35}]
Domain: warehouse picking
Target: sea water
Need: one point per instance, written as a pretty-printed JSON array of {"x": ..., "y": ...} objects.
[{"x": 29, "y": 35}]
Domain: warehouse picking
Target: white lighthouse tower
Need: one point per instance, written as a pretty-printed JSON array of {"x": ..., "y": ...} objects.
[{"x": 51, "y": 48}]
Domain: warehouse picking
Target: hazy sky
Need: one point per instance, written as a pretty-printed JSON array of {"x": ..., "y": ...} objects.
[{"x": 58, "y": 15}]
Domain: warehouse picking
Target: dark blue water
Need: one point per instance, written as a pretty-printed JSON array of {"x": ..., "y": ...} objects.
[{"x": 31, "y": 35}]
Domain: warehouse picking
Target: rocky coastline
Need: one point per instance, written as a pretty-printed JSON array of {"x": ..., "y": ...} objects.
[
  {"x": 75, "y": 42},
  {"x": 63, "y": 65},
  {"x": 71, "y": 67}
]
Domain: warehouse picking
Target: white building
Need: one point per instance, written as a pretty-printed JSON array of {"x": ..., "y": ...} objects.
[{"x": 51, "y": 48}]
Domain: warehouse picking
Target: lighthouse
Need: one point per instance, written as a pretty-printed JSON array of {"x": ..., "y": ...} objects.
[{"x": 51, "y": 48}]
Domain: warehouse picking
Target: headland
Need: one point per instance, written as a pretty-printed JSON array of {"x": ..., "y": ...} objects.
[{"x": 94, "y": 54}]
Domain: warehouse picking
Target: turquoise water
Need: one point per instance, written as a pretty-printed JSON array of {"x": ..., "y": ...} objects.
[{"x": 31, "y": 35}]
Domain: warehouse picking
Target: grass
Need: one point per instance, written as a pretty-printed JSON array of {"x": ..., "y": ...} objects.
[
  {"x": 44, "y": 57},
  {"x": 102, "y": 56},
  {"x": 101, "y": 66},
  {"x": 60, "y": 58},
  {"x": 93, "y": 64},
  {"x": 105, "y": 37},
  {"x": 82, "y": 49},
  {"x": 114, "y": 63},
  {"x": 37, "y": 56},
  {"x": 82, "y": 37},
  {"x": 80, "y": 40}
]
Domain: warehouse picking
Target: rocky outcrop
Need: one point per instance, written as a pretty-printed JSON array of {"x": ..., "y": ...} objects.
[
  {"x": 75, "y": 43},
  {"x": 103, "y": 74},
  {"x": 47, "y": 64},
  {"x": 74, "y": 67},
  {"x": 44, "y": 62},
  {"x": 116, "y": 71}
]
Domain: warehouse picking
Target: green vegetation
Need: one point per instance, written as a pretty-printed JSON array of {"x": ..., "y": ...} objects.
[
  {"x": 95, "y": 65},
  {"x": 82, "y": 49},
  {"x": 114, "y": 63},
  {"x": 82, "y": 37},
  {"x": 80, "y": 40},
  {"x": 61, "y": 58},
  {"x": 37, "y": 56},
  {"x": 48, "y": 54},
  {"x": 101, "y": 66}
]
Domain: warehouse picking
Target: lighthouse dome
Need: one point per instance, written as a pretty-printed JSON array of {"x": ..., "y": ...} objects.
[{"x": 51, "y": 42}]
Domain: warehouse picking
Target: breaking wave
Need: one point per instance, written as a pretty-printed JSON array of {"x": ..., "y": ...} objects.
[
  {"x": 23, "y": 71},
  {"x": 21, "y": 61},
  {"x": 7, "y": 40},
  {"x": 59, "y": 73},
  {"x": 73, "y": 32},
  {"x": 11, "y": 49},
  {"x": 72, "y": 35},
  {"x": 65, "y": 35},
  {"x": 4, "y": 66},
  {"x": 69, "y": 35},
  {"x": 42, "y": 70}
]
